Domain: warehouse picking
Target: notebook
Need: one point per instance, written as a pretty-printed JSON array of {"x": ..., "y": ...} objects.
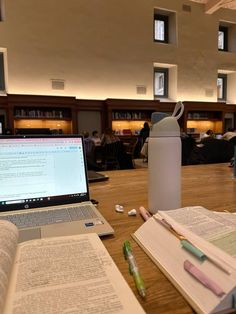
[{"x": 44, "y": 187}]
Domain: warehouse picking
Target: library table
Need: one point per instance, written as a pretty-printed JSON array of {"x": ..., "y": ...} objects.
[{"x": 211, "y": 186}]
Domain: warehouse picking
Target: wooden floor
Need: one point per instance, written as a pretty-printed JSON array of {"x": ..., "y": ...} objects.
[{"x": 212, "y": 186}]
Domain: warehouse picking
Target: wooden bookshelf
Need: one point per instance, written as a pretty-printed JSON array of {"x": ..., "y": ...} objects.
[
  {"x": 202, "y": 116},
  {"x": 42, "y": 112},
  {"x": 125, "y": 116}
]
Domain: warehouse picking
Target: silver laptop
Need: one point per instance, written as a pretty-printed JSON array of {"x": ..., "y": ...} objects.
[
  {"x": 44, "y": 187},
  {"x": 94, "y": 176}
]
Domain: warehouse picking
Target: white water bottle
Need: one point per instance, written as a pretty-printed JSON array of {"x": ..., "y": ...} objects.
[{"x": 164, "y": 162}]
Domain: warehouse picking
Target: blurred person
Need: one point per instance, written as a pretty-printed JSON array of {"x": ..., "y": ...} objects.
[
  {"x": 95, "y": 138},
  {"x": 230, "y": 135},
  {"x": 144, "y": 133},
  {"x": 108, "y": 137},
  {"x": 89, "y": 152},
  {"x": 209, "y": 134}
]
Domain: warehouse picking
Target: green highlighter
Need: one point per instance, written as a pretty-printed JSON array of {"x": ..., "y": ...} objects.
[
  {"x": 193, "y": 249},
  {"x": 133, "y": 268}
]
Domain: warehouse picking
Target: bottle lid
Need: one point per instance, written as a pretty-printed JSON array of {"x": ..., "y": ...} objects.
[
  {"x": 158, "y": 116},
  {"x": 164, "y": 125},
  {"x": 167, "y": 126}
]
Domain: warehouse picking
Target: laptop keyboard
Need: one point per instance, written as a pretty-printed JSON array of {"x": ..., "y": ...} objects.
[{"x": 42, "y": 218}]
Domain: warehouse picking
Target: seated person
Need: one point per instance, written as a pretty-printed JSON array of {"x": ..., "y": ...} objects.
[
  {"x": 208, "y": 135},
  {"x": 95, "y": 138},
  {"x": 114, "y": 151},
  {"x": 89, "y": 151},
  {"x": 109, "y": 137},
  {"x": 230, "y": 136},
  {"x": 88, "y": 143},
  {"x": 211, "y": 151}
]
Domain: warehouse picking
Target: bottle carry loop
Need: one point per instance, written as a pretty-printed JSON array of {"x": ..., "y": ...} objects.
[{"x": 179, "y": 106}]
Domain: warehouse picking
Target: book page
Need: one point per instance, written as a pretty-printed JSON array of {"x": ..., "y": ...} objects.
[
  {"x": 218, "y": 229},
  {"x": 167, "y": 253},
  {"x": 8, "y": 245},
  {"x": 73, "y": 274}
]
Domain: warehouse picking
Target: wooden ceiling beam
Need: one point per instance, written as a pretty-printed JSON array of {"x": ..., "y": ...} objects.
[{"x": 213, "y": 5}]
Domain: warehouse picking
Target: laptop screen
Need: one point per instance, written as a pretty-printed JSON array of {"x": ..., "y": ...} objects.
[{"x": 39, "y": 171}]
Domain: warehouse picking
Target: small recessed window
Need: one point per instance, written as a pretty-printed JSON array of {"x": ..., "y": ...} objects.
[
  {"x": 223, "y": 38},
  {"x": 161, "y": 28},
  {"x": 160, "y": 82},
  {"x": 221, "y": 87},
  {"x": 2, "y": 73},
  {"x": 2, "y": 10}
]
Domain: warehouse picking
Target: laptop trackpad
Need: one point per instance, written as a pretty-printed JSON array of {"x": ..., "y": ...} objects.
[{"x": 29, "y": 234}]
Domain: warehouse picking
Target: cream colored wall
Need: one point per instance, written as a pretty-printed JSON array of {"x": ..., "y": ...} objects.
[
  {"x": 104, "y": 49},
  {"x": 231, "y": 83}
]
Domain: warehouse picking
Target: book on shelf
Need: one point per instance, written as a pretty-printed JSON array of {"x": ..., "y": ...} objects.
[
  {"x": 41, "y": 113},
  {"x": 60, "y": 275},
  {"x": 204, "y": 270},
  {"x": 130, "y": 115}
]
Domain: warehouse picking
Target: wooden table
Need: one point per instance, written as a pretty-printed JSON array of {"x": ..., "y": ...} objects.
[{"x": 211, "y": 186}]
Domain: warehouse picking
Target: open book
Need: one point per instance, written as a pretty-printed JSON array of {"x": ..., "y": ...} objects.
[
  {"x": 73, "y": 274},
  {"x": 213, "y": 235}
]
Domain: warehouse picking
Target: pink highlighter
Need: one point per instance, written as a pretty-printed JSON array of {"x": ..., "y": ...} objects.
[
  {"x": 203, "y": 279},
  {"x": 144, "y": 213}
]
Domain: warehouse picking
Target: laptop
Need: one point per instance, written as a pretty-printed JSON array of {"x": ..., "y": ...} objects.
[
  {"x": 94, "y": 176},
  {"x": 44, "y": 187}
]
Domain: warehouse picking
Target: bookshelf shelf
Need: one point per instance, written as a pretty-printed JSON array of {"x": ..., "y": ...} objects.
[
  {"x": 41, "y": 113},
  {"x": 41, "y": 118},
  {"x": 54, "y": 119},
  {"x": 129, "y": 115},
  {"x": 199, "y": 121},
  {"x": 133, "y": 115},
  {"x": 129, "y": 121},
  {"x": 204, "y": 115}
]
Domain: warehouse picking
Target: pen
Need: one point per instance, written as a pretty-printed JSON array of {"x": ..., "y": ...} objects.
[
  {"x": 133, "y": 268},
  {"x": 144, "y": 213},
  {"x": 191, "y": 247}
]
